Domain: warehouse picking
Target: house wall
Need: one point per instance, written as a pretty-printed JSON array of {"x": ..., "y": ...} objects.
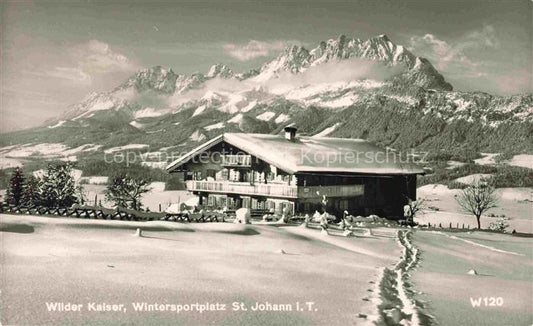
[
  {"x": 383, "y": 195},
  {"x": 233, "y": 202},
  {"x": 208, "y": 165}
]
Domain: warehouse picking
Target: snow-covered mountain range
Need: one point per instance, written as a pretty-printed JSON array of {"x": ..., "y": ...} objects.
[{"x": 344, "y": 87}]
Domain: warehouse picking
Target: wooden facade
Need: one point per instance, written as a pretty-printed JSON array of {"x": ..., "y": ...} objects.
[{"x": 223, "y": 175}]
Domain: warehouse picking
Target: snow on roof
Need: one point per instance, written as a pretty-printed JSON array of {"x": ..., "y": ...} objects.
[
  {"x": 311, "y": 154},
  {"x": 183, "y": 159}
]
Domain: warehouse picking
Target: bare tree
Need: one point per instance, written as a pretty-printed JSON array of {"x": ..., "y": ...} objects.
[
  {"x": 126, "y": 192},
  {"x": 412, "y": 208},
  {"x": 477, "y": 199}
]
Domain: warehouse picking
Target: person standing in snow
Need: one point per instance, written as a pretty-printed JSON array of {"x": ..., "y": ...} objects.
[
  {"x": 324, "y": 217},
  {"x": 344, "y": 224},
  {"x": 408, "y": 211},
  {"x": 324, "y": 203}
]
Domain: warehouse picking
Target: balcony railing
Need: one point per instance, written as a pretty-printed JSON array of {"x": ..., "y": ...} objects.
[
  {"x": 237, "y": 160},
  {"x": 274, "y": 190},
  {"x": 331, "y": 191}
]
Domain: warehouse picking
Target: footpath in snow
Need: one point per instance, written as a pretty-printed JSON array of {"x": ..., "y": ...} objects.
[{"x": 394, "y": 294}]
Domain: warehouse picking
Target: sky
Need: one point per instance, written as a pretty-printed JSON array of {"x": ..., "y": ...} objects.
[{"x": 54, "y": 53}]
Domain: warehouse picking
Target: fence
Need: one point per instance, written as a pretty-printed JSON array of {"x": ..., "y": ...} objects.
[
  {"x": 121, "y": 214},
  {"x": 450, "y": 226}
]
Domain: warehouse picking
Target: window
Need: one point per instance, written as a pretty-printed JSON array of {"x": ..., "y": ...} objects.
[
  {"x": 230, "y": 202},
  {"x": 236, "y": 160},
  {"x": 197, "y": 175},
  {"x": 259, "y": 177},
  {"x": 234, "y": 175},
  {"x": 211, "y": 173},
  {"x": 344, "y": 204},
  {"x": 224, "y": 174}
]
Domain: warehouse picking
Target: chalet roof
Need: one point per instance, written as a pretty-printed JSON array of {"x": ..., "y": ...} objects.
[{"x": 311, "y": 154}]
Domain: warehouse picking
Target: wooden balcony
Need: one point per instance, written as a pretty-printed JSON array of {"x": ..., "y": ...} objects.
[
  {"x": 275, "y": 190},
  {"x": 237, "y": 160},
  {"x": 331, "y": 191},
  {"x": 225, "y": 187}
]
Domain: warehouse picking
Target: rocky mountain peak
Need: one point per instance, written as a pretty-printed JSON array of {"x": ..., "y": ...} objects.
[
  {"x": 293, "y": 59},
  {"x": 417, "y": 93},
  {"x": 220, "y": 70},
  {"x": 296, "y": 59},
  {"x": 183, "y": 83},
  {"x": 156, "y": 78}
]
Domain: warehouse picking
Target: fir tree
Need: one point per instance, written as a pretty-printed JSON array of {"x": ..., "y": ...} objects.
[
  {"x": 16, "y": 188},
  {"x": 31, "y": 196},
  {"x": 57, "y": 188}
]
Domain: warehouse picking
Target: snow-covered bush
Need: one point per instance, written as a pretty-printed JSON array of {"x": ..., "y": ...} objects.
[
  {"x": 242, "y": 215},
  {"x": 499, "y": 225}
]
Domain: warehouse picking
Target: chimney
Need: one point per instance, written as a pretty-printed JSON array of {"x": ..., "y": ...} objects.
[{"x": 290, "y": 133}]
